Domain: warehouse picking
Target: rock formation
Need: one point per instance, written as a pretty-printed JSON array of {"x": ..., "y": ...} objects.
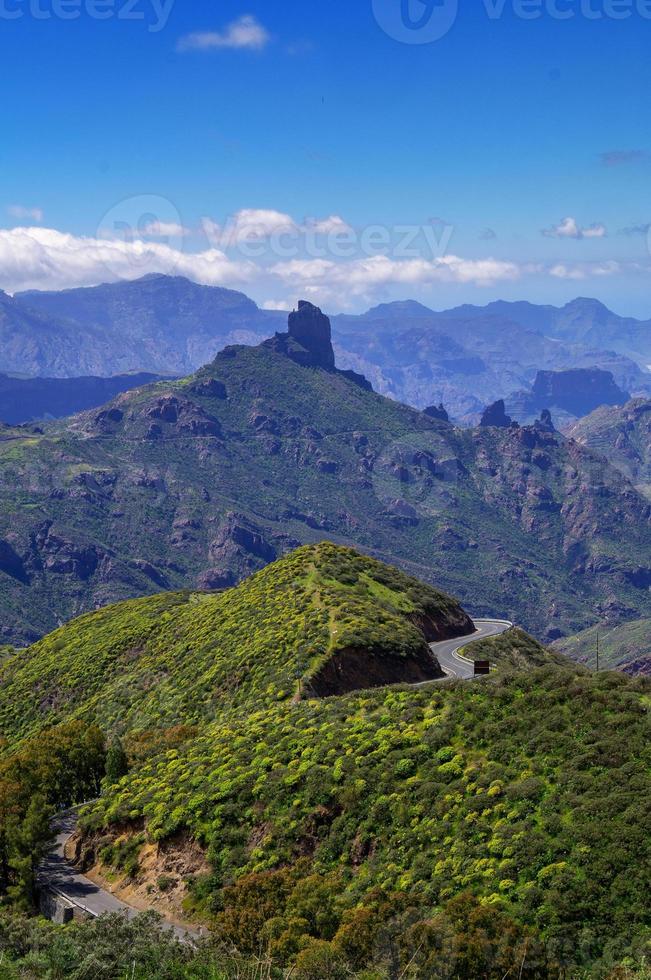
[{"x": 495, "y": 416}]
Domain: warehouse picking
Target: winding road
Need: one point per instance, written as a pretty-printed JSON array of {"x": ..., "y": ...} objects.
[
  {"x": 58, "y": 875},
  {"x": 447, "y": 651}
]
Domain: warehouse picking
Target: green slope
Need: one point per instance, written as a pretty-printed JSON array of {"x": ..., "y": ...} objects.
[
  {"x": 180, "y": 658},
  {"x": 197, "y": 483},
  {"x": 359, "y": 820},
  {"x": 626, "y": 647}
]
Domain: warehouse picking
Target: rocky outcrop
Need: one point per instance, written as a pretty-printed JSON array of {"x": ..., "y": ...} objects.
[
  {"x": 495, "y": 417},
  {"x": 308, "y": 342},
  {"x": 437, "y": 412},
  {"x": 310, "y": 328},
  {"x": 578, "y": 391},
  {"x": 184, "y": 415},
  {"x": 545, "y": 423},
  {"x": 357, "y": 669},
  {"x": 570, "y": 395}
]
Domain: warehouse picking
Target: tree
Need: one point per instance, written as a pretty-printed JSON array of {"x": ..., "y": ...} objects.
[
  {"x": 28, "y": 840},
  {"x": 117, "y": 764}
]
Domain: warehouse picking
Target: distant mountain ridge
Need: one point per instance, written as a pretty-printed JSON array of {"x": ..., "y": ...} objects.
[
  {"x": 31, "y": 399},
  {"x": 195, "y": 483},
  {"x": 465, "y": 357}
]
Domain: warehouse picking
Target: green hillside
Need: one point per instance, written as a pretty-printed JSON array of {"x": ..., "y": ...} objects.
[
  {"x": 394, "y": 825},
  {"x": 180, "y": 658},
  {"x": 195, "y": 484},
  {"x": 626, "y": 647}
]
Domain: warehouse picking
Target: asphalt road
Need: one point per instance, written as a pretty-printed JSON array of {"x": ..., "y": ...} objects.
[
  {"x": 447, "y": 651},
  {"x": 58, "y": 874}
]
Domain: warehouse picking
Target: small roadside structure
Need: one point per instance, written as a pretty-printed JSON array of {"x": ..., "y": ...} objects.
[{"x": 482, "y": 668}]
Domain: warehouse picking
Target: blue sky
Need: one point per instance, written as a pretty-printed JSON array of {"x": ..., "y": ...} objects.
[{"x": 289, "y": 114}]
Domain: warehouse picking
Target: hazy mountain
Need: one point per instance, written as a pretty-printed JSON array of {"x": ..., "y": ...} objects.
[
  {"x": 584, "y": 321},
  {"x": 467, "y": 357},
  {"x": 195, "y": 483},
  {"x": 30, "y": 399},
  {"x": 163, "y": 324},
  {"x": 568, "y": 395}
]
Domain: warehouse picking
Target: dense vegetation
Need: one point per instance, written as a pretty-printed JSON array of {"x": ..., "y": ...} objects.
[
  {"x": 454, "y": 830},
  {"x": 182, "y": 658},
  {"x": 362, "y": 807},
  {"x": 196, "y": 483},
  {"x": 512, "y": 650}
]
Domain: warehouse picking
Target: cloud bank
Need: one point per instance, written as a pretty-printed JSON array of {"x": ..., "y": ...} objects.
[{"x": 44, "y": 258}]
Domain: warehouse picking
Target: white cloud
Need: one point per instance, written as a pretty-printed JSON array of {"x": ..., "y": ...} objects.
[
  {"x": 276, "y": 304},
  {"x": 597, "y": 270},
  {"x": 43, "y": 258},
  {"x": 365, "y": 277},
  {"x": 21, "y": 213},
  {"x": 259, "y": 224},
  {"x": 570, "y": 228},
  {"x": 250, "y": 224},
  {"x": 242, "y": 34}
]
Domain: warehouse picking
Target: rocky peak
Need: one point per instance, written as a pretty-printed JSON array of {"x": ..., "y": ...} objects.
[
  {"x": 495, "y": 416},
  {"x": 310, "y": 328},
  {"x": 545, "y": 423},
  {"x": 309, "y": 342},
  {"x": 439, "y": 413}
]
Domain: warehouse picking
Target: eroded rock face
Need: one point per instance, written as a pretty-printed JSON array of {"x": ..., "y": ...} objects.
[
  {"x": 437, "y": 412},
  {"x": 308, "y": 342},
  {"x": 577, "y": 391},
  {"x": 311, "y": 329},
  {"x": 495, "y": 416},
  {"x": 358, "y": 669},
  {"x": 184, "y": 415}
]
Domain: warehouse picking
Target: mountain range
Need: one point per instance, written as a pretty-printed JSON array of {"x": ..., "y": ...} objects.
[
  {"x": 466, "y": 357},
  {"x": 196, "y": 483}
]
